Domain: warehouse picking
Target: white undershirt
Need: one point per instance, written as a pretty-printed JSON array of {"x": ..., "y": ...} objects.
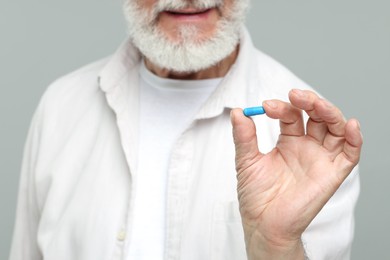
[{"x": 167, "y": 107}]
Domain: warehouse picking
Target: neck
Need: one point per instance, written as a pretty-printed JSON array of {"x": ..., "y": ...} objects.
[{"x": 217, "y": 71}]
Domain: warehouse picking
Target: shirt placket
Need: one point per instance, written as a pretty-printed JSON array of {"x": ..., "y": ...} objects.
[
  {"x": 178, "y": 192},
  {"x": 123, "y": 101}
]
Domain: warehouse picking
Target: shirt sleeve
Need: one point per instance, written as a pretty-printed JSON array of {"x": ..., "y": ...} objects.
[
  {"x": 330, "y": 235},
  {"x": 24, "y": 244}
]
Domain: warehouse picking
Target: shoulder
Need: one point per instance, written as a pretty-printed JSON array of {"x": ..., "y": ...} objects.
[
  {"x": 70, "y": 97},
  {"x": 73, "y": 89},
  {"x": 82, "y": 80}
]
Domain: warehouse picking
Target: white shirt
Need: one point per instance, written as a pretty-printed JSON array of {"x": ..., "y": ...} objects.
[
  {"x": 167, "y": 107},
  {"x": 76, "y": 198}
]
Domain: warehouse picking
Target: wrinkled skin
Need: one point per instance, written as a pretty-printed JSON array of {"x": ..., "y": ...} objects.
[{"x": 282, "y": 191}]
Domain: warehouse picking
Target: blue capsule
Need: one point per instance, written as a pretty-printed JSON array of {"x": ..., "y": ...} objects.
[{"x": 253, "y": 111}]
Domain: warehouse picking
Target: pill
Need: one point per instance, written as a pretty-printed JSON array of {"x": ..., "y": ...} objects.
[{"x": 253, "y": 111}]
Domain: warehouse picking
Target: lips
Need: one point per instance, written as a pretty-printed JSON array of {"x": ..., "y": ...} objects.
[
  {"x": 188, "y": 11},
  {"x": 189, "y": 15}
]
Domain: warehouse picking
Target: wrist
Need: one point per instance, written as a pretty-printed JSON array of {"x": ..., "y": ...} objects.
[{"x": 258, "y": 248}]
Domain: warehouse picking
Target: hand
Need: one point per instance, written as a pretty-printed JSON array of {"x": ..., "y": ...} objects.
[{"x": 282, "y": 191}]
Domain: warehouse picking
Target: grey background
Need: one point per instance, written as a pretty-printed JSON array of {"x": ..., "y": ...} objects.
[{"x": 341, "y": 47}]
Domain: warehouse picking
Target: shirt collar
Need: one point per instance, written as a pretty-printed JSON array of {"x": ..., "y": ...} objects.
[
  {"x": 125, "y": 59},
  {"x": 237, "y": 86}
]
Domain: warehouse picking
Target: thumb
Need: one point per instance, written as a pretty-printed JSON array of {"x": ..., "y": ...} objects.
[{"x": 245, "y": 139}]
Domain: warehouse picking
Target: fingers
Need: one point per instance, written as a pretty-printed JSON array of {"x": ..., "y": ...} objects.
[
  {"x": 316, "y": 127},
  {"x": 352, "y": 147},
  {"x": 245, "y": 139},
  {"x": 354, "y": 141},
  {"x": 290, "y": 117},
  {"x": 326, "y": 123}
]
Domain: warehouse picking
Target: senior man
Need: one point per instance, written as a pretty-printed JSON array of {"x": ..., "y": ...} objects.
[{"x": 132, "y": 157}]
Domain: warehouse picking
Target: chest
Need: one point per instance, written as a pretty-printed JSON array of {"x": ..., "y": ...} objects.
[{"x": 87, "y": 196}]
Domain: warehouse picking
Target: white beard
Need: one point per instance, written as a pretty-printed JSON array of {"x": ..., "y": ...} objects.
[{"x": 186, "y": 55}]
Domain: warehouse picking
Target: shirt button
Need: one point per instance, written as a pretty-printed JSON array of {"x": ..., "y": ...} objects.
[{"x": 121, "y": 235}]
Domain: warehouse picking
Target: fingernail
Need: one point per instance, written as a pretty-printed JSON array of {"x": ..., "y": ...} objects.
[
  {"x": 299, "y": 92},
  {"x": 271, "y": 104}
]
